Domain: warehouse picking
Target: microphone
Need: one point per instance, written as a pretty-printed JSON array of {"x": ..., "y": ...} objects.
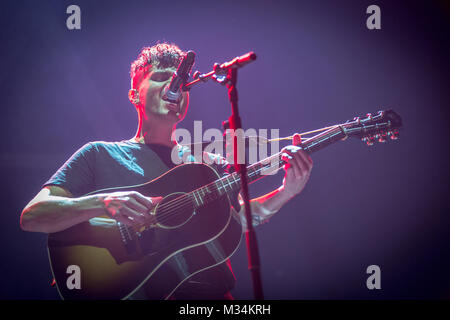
[{"x": 173, "y": 91}]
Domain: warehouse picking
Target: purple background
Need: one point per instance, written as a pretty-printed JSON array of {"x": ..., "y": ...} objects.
[{"x": 317, "y": 65}]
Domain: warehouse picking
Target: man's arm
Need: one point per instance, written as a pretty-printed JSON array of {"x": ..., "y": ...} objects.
[{"x": 54, "y": 209}]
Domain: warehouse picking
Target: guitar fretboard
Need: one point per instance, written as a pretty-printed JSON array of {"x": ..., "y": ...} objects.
[
  {"x": 231, "y": 183},
  {"x": 267, "y": 166}
]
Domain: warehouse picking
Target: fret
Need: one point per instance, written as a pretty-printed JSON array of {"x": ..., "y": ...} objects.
[
  {"x": 202, "y": 196},
  {"x": 206, "y": 193},
  {"x": 227, "y": 178},
  {"x": 199, "y": 196},
  {"x": 232, "y": 180},
  {"x": 193, "y": 193},
  {"x": 218, "y": 187},
  {"x": 236, "y": 181},
  {"x": 273, "y": 163},
  {"x": 255, "y": 171},
  {"x": 258, "y": 171},
  {"x": 261, "y": 168},
  {"x": 324, "y": 139}
]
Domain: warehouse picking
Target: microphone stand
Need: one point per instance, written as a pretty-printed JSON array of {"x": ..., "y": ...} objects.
[{"x": 226, "y": 74}]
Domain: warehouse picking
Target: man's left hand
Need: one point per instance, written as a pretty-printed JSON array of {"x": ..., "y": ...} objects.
[{"x": 298, "y": 167}]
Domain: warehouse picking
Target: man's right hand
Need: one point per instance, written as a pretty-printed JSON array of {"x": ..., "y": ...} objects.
[
  {"x": 54, "y": 209},
  {"x": 130, "y": 207}
]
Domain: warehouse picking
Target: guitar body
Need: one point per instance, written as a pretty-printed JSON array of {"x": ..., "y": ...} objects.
[{"x": 158, "y": 259}]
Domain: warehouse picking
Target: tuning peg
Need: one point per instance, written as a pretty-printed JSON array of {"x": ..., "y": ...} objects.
[
  {"x": 369, "y": 140},
  {"x": 393, "y": 135},
  {"x": 217, "y": 69},
  {"x": 381, "y": 137}
]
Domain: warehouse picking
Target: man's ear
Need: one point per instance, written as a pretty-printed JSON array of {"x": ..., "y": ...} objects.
[{"x": 133, "y": 96}]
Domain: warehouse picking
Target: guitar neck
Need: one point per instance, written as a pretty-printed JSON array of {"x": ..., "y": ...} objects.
[
  {"x": 373, "y": 127},
  {"x": 232, "y": 182}
]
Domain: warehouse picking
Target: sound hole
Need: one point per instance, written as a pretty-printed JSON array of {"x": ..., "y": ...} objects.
[{"x": 174, "y": 210}]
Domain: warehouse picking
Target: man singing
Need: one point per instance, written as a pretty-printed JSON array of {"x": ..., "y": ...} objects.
[{"x": 62, "y": 202}]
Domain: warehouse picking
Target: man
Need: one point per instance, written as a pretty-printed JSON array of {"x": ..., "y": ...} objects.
[{"x": 98, "y": 165}]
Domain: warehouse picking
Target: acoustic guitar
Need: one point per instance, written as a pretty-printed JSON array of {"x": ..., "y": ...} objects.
[{"x": 195, "y": 228}]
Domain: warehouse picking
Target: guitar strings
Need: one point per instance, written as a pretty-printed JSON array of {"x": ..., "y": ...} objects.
[
  {"x": 214, "y": 183},
  {"x": 214, "y": 186},
  {"x": 304, "y": 133},
  {"x": 170, "y": 210},
  {"x": 176, "y": 206},
  {"x": 171, "y": 207},
  {"x": 180, "y": 205}
]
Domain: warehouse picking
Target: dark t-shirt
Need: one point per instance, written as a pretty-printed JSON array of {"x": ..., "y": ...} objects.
[{"x": 98, "y": 165}]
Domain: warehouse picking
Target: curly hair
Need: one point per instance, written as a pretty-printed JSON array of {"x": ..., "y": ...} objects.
[{"x": 161, "y": 55}]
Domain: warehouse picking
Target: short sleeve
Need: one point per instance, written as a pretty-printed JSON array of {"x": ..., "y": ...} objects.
[{"x": 76, "y": 174}]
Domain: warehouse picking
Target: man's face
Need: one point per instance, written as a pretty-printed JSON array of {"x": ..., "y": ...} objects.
[{"x": 151, "y": 91}]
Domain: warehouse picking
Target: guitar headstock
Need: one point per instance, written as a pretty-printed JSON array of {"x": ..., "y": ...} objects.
[{"x": 380, "y": 127}]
